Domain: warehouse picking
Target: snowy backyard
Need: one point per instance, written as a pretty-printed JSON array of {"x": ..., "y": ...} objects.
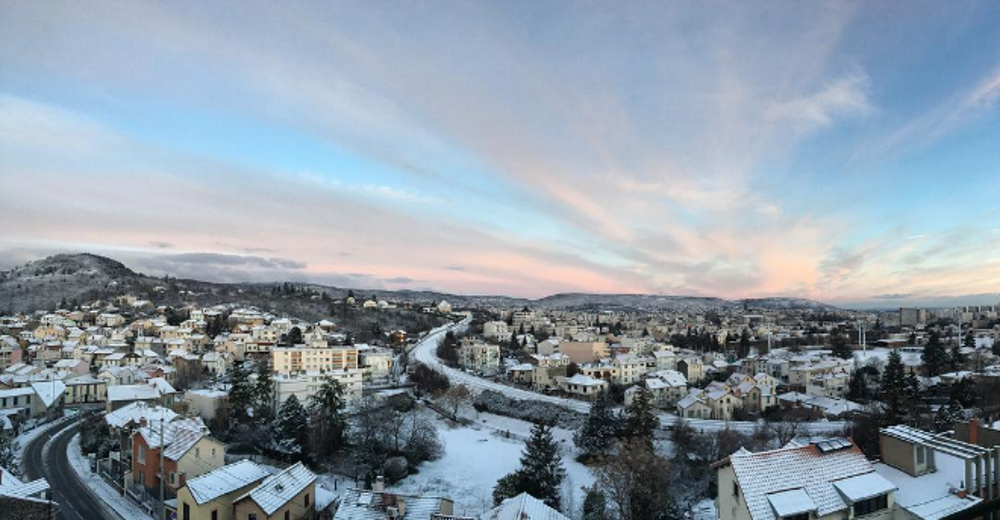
[{"x": 476, "y": 456}]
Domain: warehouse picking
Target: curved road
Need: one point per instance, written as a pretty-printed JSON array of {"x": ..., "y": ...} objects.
[
  {"x": 45, "y": 456},
  {"x": 425, "y": 352}
]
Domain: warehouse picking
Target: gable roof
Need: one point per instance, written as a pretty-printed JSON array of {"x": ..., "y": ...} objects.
[
  {"x": 278, "y": 489},
  {"x": 771, "y": 474},
  {"x": 523, "y": 507},
  {"x": 224, "y": 480}
]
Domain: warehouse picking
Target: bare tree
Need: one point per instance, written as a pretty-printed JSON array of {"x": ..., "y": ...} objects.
[
  {"x": 633, "y": 482},
  {"x": 454, "y": 398}
]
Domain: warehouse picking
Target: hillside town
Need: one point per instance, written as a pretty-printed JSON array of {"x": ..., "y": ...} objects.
[{"x": 229, "y": 411}]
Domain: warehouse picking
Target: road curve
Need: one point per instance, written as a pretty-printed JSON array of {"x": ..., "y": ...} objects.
[
  {"x": 45, "y": 456},
  {"x": 425, "y": 351}
]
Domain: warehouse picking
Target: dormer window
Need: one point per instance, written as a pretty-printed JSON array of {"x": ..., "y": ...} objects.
[{"x": 871, "y": 505}]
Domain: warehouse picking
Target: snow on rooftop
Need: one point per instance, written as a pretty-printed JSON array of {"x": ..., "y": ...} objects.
[
  {"x": 523, "y": 506},
  {"x": 226, "y": 479},
  {"x": 791, "y": 502},
  {"x": 863, "y": 487},
  {"x": 278, "y": 489},
  {"x": 49, "y": 391}
]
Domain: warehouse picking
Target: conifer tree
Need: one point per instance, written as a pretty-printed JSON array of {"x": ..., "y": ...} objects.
[
  {"x": 595, "y": 504},
  {"x": 893, "y": 387},
  {"x": 841, "y": 347},
  {"x": 600, "y": 428},
  {"x": 639, "y": 420},
  {"x": 292, "y": 426},
  {"x": 241, "y": 394},
  {"x": 328, "y": 423},
  {"x": 263, "y": 403},
  {"x": 541, "y": 472},
  {"x": 935, "y": 357},
  {"x": 8, "y": 451}
]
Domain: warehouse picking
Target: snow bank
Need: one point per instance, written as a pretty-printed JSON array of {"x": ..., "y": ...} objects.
[{"x": 99, "y": 487}]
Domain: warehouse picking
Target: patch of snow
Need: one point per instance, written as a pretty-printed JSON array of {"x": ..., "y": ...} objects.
[{"x": 476, "y": 456}]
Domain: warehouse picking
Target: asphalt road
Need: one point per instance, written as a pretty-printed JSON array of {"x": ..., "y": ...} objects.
[
  {"x": 75, "y": 500},
  {"x": 425, "y": 352}
]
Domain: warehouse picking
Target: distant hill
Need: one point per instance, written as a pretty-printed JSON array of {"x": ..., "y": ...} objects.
[{"x": 67, "y": 278}]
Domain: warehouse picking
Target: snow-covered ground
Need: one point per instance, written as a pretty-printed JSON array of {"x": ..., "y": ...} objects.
[
  {"x": 102, "y": 489},
  {"x": 476, "y": 456}
]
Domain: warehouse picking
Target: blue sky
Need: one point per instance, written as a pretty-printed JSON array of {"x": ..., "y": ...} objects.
[{"x": 840, "y": 151}]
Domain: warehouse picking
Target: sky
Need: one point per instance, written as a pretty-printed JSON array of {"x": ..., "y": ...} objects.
[{"x": 842, "y": 151}]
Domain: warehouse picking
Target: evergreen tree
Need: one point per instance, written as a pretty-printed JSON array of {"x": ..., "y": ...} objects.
[
  {"x": 541, "y": 472},
  {"x": 893, "y": 387},
  {"x": 961, "y": 393},
  {"x": 969, "y": 341},
  {"x": 639, "y": 422},
  {"x": 292, "y": 426},
  {"x": 294, "y": 337},
  {"x": 595, "y": 504},
  {"x": 241, "y": 394},
  {"x": 935, "y": 357},
  {"x": 744, "y": 349},
  {"x": 328, "y": 423},
  {"x": 263, "y": 390},
  {"x": 600, "y": 428},
  {"x": 8, "y": 451},
  {"x": 857, "y": 388},
  {"x": 957, "y": 358},
  {"x": 841, "y": 347}
]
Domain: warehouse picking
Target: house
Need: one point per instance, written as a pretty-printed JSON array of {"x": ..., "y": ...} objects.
[
  {"x": 581, "y": 385},
  {"x": 667, "y": 387},
  {"x": 210, "y": 496},
  {"x": 287, "y": 495},
  {"x": 188, "y": 452},
  {"x": 479, "y": 356},
  {"x": 377, "y": 504},
  {"x": 523, "y": 507},
  {"x": 123, "y": 395},
  {"x": 25, "y": 500},
  {"x": 693, "y": 406},
  {"x": 581, "y": 352},
  {"x": 85, "y": 389},
  {"x": 829, "y": 480},
  {"x": 693, "y": 368},
  {"x": 935, "y": 476}
]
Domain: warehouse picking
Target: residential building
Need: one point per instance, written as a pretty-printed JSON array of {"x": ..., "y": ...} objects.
[
  {"x": 286, "y": 360},
  {"x": 287, "y": 495},
  {"x": 210, "y": 496}
]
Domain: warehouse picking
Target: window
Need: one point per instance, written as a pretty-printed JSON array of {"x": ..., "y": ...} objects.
[
  {"x": 920, "y": 455},
  {"x": 288, "y": 515},
  {"x": 867, "y": 507},
  {"x": 802, "y": 516},
  {"x": 197, "y": 453},
  {"x": 142, "y": 454},
  {"x": 215, "y": 514},
  {"x": 736, "y": 489},
  {"x": 252, "y": 516},
  {"x": 307, "y": 499},
  {"x": 187, "y": 511}
]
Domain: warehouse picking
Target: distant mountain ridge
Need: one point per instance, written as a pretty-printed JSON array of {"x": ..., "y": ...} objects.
[{"x": 65, "y": 278}]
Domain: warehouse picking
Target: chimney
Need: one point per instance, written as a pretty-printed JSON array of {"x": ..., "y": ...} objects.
[
  {"x": 379, "y": 484},
  {"x": 974, "y": 431}
]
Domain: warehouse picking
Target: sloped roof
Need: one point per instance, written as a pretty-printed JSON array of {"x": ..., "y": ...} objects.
[
  {"x": 224, "y": 480},
  {"x": 49, "y": 391},
  {"x": 805, "y": 467},
  {"x": 136, "y": 411},
  {"x": 278, "y": 489},
  {"x": 523, "y": 507}
]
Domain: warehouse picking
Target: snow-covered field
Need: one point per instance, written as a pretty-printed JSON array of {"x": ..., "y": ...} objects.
[{"x": 475, "y": 457}]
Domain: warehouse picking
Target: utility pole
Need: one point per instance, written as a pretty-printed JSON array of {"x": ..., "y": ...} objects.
[{"x": 162, "y": 509}]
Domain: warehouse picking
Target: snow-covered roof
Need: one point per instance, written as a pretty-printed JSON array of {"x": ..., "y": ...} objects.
[
  {"x": 523, "y": 507},
  {"x": 134, "y": 412},
  {"x": 10, "y": 485},
  {"x": 863, "y": 487},
  {"x": 225, "y": 480},
  {"x": 49, "y": 391},
  {"x": 357, "y": 504},
  {"x": 132, "y": 393},
  {"x": 791, "y": 502},
  {"x": 760, "y": 475},
  {"x": 584, "y": 380},
  {"x": 278, "y": 489}
]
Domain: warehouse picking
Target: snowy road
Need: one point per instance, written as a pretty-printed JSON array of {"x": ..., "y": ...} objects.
[{"x": 425, "y": 352}]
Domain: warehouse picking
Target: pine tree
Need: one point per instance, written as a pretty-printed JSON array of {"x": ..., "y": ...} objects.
[
  {"x": 639, "y": 419},
  {"x": 957, "y": 358},
  {"x": 935, "y": 357},
  {"x": 241, "y": 394},
  {"x": 969, "y": 341},
  {"x": 841, "y": 347},
  {"x": 541, "y": 472},
  {"x": 595, "y": 504},
  {"x": 292, "y": 426},
  {"x": 8, "y": 451},
  {"x": 328, "y": 422},
  {"x": 600, "y": 428},
  {"x": 263, "y": 391},
  {"x": 294, "y": 337},
  {"x": 893, "y": 387}
]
